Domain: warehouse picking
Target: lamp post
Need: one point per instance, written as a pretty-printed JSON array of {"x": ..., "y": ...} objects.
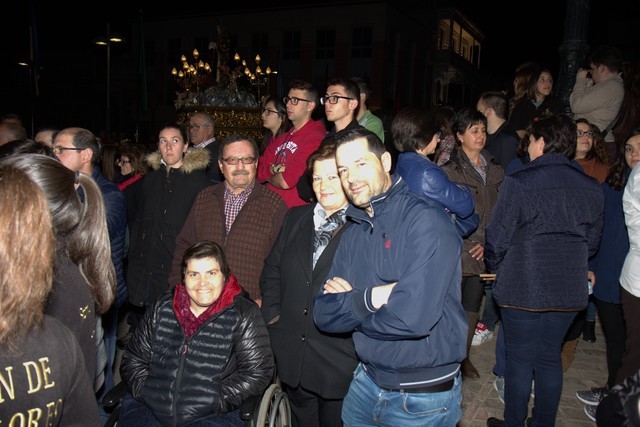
[{"x": 107, "y": 41}]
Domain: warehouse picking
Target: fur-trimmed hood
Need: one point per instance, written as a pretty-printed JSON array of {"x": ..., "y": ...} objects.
[{"x": 194, "y": 159}]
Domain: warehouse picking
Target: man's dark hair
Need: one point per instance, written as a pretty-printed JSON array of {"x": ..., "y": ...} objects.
[
  {"x": 350, "y": 87},
  {"x": 363, "y": 86},
  {"x": 83, "y": 138},
  {"x": 236, "y": 138},
  {"x": 497, "y": 102},
  {"x": 609, "y": 56},
  {"x": 311, "y": 91},
  {"x": 373, "y": 142}
]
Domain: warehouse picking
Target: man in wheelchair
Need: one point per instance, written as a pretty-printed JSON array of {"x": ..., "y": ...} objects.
[{"x": 199, "y": 352}]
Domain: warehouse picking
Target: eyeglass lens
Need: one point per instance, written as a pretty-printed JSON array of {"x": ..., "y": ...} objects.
[{"x": 235, "y": 160}]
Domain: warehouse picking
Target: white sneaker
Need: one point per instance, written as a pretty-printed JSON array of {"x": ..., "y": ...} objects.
[
  {"x": 482, "y": 334},
  {"x": 590, "y": 411}
]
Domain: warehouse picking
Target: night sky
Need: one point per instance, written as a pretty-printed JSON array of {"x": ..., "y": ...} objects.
[{"x": 512, "y": 37}]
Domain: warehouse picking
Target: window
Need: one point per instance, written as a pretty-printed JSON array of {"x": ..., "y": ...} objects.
[
  {"x": 173, "y": 52},
  {"x": 259, "y": 43},
  {"x": 291, "y": 45},
  {"x": 443, "y": 34},
  {"x": 362, "y": 42},
  {"x": 325, "y": 44}
]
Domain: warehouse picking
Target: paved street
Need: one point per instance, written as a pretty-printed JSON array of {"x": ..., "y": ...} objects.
[{"x": 480, "y": 400}]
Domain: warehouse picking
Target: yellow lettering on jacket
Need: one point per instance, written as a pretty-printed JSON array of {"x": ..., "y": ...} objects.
[
  {"x": 52, "y": 412},
  {"x": 6, "y": 381},
  {"x": 17, "y": 420},
  {"x": 46, "y": 371},
  {"x": 34, "y": 416},
  {"x": 37, "y": 374}
]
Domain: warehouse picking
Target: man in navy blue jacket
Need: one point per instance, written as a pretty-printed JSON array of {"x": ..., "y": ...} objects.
[{"x": 395, "y": 282}]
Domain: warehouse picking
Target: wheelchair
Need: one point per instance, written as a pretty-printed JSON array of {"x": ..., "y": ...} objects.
[{"x": 271, "y": 409}]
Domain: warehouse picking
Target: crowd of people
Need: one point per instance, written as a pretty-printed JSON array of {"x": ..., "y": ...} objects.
[{"x": 346, "y": 263}]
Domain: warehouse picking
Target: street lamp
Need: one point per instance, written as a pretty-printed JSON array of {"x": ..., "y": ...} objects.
[{"x": 107, "y": 41}]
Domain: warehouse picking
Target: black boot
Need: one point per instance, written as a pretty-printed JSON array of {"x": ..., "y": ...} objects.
[{"x": 589, "y": 331}]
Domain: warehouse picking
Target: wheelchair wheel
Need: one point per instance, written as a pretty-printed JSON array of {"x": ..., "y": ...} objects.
[{"x": 274, "y": 408}]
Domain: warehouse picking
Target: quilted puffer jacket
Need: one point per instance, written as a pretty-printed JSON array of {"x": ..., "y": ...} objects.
[{"x": 182, "y": 379}]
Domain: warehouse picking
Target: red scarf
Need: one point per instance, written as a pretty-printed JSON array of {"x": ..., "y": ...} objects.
[
  {"x": 182, "y": 303},
  {"x": 127, "y": 182}
]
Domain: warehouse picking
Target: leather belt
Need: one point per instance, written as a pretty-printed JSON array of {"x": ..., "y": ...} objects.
[{"x": 437, "y": 388}]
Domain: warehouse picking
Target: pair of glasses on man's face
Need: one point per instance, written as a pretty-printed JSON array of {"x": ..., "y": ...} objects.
[
  {"x": 60, "y": 150},
  {"x": 235, "y": 160},
  {"x": 332, "y": 99},
  {"x": 293, "y": 100}
]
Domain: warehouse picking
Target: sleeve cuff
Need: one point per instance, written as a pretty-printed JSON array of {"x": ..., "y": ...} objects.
[{"x": 362, "y": 305}]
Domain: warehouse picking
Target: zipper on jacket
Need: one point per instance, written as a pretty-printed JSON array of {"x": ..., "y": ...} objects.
[{"x": 183, "y": 355}]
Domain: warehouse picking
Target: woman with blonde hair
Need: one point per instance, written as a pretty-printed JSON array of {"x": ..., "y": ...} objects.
[{"x": 35, "y": 345}]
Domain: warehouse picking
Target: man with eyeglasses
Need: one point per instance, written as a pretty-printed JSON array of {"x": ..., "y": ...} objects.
[
  {"x": 201, "y": 135},
  {"x": 284, "y": 161},
  {"x": 341, "y": 107},
  {"x": 240, "y": 214},
  {"x": 78, "y": 149}
]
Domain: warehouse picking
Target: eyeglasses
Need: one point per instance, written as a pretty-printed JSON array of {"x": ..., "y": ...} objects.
[
  {"x": 59, "y": 150},
  {"x": 122, "y": 162},
  {"x": 332, "y": 99},
  {"x": 588, "y": 134},
  {"x": 268, "y": 111},
  {"x": 293, "y": 100},
  {"x": 198, "y": 127},
  {"x": 235, "y": 160}
]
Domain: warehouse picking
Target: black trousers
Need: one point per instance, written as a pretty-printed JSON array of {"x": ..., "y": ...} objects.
[
  {"x": 614, "y": 329},
  {"x": 310, "y": 410},
  {"x": 631, "y": 357},
  {"x": 472, "y": 290}
]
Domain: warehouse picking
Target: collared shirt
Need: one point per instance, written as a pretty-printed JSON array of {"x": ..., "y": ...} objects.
[
  {"x": 481, "y": 169},
  {"x": 205, "y": 143},
  {"x": 233, "y": 203}
]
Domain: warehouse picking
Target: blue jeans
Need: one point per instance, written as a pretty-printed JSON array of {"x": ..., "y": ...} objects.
[
  {"x": 136, "y": 414},
  {"x": 366, "y": 404},
  {"x": 490, "y": 315},
  {"x": 533, "y": 343},
  {"x": 591, "y": 310},
  {"x": 501, "y": 357}
]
